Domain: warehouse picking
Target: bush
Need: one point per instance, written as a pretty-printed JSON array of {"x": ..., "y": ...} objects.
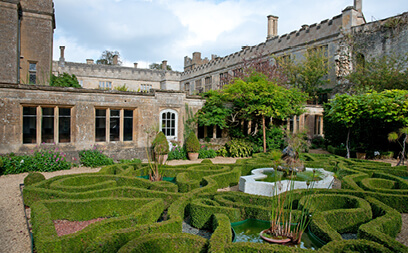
[
  {"x": 192, "y": 143},
  {"x": 94, "y": 158},
  {"x": 177, "y": 153},
  {"x": 43, "y": 160},
  {"x": 33, "y": 178},
  {"x": 160, "y": 144},
  {"x": 274, "y": 139},
  {"x": 237, "y": 148},
  {"x": 205, "y": 152},
  {"x": 64, "y": 80}
]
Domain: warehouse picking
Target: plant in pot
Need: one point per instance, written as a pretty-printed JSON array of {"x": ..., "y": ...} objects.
[
  {"x": 192, "y": 146},
  {"x": 160, "y": 147}
]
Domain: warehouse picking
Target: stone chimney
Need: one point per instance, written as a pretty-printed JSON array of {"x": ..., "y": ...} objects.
[
  {"x": 89, "y": 61},
  {"x": 135, "y": 65},
  {"x": 358, "y": 5},
  {"x": 196, "y": 58},
  {"x": 115, "y": 59},
  {"x": 164, "y": 65},
  {"x": 272, "y": 27},
  {"x": 62, "y": 58}
]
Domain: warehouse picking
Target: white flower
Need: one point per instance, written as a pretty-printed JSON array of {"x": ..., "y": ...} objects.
[
  {"x": 22, "y": 161},
  {"x": 376, "y": 153}
]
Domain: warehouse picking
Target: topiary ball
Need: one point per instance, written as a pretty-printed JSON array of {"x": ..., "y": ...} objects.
[{"x": 33, "y": 178}]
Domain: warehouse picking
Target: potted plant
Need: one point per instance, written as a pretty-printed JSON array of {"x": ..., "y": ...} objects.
[
  {"x": 160, "y": 147},
  {"x": 192, "y": 146}
]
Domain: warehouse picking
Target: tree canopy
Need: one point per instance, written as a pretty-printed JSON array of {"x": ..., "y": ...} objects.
[
  {"x": 159, "y": 66},
  {"x": 379, "y": 73},
  {"x": 107, "y": 58}
]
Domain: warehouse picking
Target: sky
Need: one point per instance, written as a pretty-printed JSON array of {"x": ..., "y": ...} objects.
[{"x": 150, "y": 31}]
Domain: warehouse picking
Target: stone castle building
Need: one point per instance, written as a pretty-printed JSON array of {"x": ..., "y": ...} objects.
[
  {"x": 26, "y": 41},
  {"x": 76, "y": 119}
]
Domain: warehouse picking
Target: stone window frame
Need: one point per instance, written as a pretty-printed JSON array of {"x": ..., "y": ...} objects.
[
  {"x": 32, "y": 72},
  {"x": 121, "y": 124},
  {"x": 208, "y": 83},
  {"x": 169, "y": 137},
  {"x": 105, "y": 85},
  {"x": 39, "y": 120}
]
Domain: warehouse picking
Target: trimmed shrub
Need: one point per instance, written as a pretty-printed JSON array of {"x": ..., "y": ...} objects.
[
  {"x": 33, "y": 178},
  {"x": 94, "y": 158},
  {"x": 192, "y": 143},
  {"x": 160, "y": 144}
]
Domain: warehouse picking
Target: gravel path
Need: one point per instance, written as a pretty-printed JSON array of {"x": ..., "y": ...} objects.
[{"x": 14, "y": 236}]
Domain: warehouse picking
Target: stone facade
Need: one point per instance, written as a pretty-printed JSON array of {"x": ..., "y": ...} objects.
[
  {"x": 27, "y": 28},
  {"x": 21, "y": 131}
]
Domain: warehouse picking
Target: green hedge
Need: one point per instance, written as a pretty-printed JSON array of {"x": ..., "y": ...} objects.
[
  {"x": 177, "y": 243},
  {"x": 132, "y": 212},
  {"x": 384, "y": 228},
  {"x": 222, "y": 234},
  {"x": 353, "y": 246}
]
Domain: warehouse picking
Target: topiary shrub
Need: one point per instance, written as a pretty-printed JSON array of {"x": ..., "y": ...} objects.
[
  {"x": 33, "y": 178},
  {"x": 192, "y": 143},
  {"x": 94, "y": 158},
  {"x": 160, "y": 144}
]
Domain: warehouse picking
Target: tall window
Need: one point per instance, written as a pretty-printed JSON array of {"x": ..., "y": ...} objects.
[
  {"x": 100, "y": 125},
  {"x": 169, "y": 123},
  {"x": 208, "y": 83},
  {"x": 128, "y": 125},
  {"x": 64, "y": 125},
  {"x": 198, "y": 86},
  {"x": 29, "y": 124},
  {"x": 54, "y": 124},
  {"x": 47, "y": 125},
  {"x": 120, "y": 124},
  {"x": 187, "y": 87},
  {"x": 32, "y": 70},
  {"x": 114, "y": 125}
]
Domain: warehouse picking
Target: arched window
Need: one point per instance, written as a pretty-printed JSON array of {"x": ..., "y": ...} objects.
[{"x": 168, "y": 123}]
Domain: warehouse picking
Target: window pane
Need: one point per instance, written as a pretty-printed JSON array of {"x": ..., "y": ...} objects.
[
  {"x": 64, "y": 129},
  {"x": 128, "y": 125},
  {"x": 114, "y": 125},
  {"x": 29, "y": 125},
  {"x": 100, "y": 125},
  {"x": 47, "y": 125}
]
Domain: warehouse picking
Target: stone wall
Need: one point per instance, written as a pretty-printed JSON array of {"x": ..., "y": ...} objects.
[
  {"x": 83, "y": 102},
  {"x": 89, "y": 75},
  {"x": 8, "y": 41}
]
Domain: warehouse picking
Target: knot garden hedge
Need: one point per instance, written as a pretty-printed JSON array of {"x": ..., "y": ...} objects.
[{"x": 144, "y": 216}]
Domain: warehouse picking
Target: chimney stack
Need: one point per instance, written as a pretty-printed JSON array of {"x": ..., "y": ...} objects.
[
  {"x": 135, "y": 65},
  {"x": 115, "y": 59},
  {"x": 164, "y": 65},
  {"x": 89, "y": 61},
  {"x": 272, "y": 27},
  {"x": 62, "y": 59},
  {"x": 358, "y": 5}
]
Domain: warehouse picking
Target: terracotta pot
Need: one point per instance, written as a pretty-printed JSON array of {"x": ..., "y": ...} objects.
[
  {"x": 192, "y": 156},
  {"x": 272, "y": 240}
]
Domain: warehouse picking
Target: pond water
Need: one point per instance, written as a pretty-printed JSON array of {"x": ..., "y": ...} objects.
[
  {"x": 274, "y": 176},
  {"x": 248, "y": 231}
]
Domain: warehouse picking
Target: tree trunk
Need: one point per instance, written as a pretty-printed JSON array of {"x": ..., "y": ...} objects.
[
  {"x": 347, "y": 143},
  {"x": 264, "y": 133},
  {"x": 403, "y": 151}
]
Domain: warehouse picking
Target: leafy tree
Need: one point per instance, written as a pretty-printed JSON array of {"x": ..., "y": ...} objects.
[
  {"x": 257, "y": 97},
  {"x": 309, "y": 73},
  {"x": 380, "y": 73},
  {"x": 389, "y": 106},
  {"x": 395, "y": 136},
  {"x": 159, "y": 66},
  {"x": 107, "y": 58},
  {"x": 214, "y": 111},
  {"x": 64, "y": 80}
]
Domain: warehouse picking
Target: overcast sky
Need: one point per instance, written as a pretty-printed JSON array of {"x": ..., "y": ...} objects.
[{"x": 147, "y": 31}]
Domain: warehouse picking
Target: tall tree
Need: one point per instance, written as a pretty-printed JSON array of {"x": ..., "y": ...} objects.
[
  {"x": 310, "y": 73},
  {"x": 255, "y": 96},
  {"x": 107, "y": 58}
]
